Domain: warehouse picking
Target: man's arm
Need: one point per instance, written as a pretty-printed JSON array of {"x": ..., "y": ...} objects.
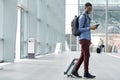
[{"x": 82, "y": 24}]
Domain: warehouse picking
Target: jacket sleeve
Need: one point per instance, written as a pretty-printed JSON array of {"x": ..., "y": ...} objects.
[{"x": 81, "y": 21}]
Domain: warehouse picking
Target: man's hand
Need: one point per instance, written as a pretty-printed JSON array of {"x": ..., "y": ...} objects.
[{"x": 93, "y": 27}]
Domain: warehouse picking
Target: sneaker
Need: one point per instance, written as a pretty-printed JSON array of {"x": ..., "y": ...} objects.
[
  {"x": 88, "y": 75},
  {"x": 76, "y": 74}
]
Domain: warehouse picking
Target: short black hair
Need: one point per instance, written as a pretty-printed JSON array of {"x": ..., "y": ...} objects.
[{"x": 88, "y": 4}]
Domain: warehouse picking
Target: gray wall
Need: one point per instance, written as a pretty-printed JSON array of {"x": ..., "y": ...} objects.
[
  {"x": 8, "y": 20},
  {"x": 43, "y": 20}
]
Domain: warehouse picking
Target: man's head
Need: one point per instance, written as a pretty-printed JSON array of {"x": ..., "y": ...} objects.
[{"x": 88, "y": 7}]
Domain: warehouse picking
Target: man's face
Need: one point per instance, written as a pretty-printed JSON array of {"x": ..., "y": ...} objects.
[{"x": 89, "y": 9}]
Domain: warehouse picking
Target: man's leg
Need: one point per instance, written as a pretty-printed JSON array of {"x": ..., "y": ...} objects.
[
  {"x": 86, "y": 58},
  {"x": 86, "y": 61},
  {"x": 101, "y": 48},
  {"x": 78, "y": 64},
  {"x": 80, "y": 61}
]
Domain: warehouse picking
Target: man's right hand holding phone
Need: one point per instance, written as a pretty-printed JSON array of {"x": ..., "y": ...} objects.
[{"x": 94, "y": 27}]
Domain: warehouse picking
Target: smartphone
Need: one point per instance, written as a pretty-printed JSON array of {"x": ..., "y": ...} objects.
[{"x": 97, "y": 25}]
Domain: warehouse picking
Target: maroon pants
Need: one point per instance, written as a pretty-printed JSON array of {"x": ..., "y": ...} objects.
[{"x": 85, "y": 54}]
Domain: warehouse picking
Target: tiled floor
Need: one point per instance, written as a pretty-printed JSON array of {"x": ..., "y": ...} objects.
[{"x": 51, "y": 67}]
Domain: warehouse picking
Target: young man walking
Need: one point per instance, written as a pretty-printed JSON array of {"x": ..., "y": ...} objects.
[{"x": 85, "y": 41}]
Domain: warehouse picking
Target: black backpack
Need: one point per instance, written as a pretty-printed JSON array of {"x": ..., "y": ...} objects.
[{"x": 75, "y": 25}]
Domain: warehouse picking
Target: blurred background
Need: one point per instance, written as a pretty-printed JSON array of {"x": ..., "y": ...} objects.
[{"x": 106, "y": 13}]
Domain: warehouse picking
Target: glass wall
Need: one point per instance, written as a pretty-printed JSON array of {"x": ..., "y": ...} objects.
[
  {"x": 71, "y": 11},
  {"x": 114, "y": 26}
]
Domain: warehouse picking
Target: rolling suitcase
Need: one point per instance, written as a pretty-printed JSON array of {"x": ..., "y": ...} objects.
[
  {"x": 98, "y": 50},
  {"x": 70, "y": 67}
]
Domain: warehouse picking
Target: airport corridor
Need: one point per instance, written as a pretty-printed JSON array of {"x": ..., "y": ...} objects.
[{"x": 51, "y": 67}]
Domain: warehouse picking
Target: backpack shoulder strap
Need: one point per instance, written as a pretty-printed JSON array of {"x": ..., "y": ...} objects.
[{"x": 85, "y": 19}]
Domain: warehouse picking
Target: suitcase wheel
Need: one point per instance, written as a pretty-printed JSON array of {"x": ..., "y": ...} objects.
[
  {"x": 69, "y": 75},
  {"x": 65, "y": 73}
]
